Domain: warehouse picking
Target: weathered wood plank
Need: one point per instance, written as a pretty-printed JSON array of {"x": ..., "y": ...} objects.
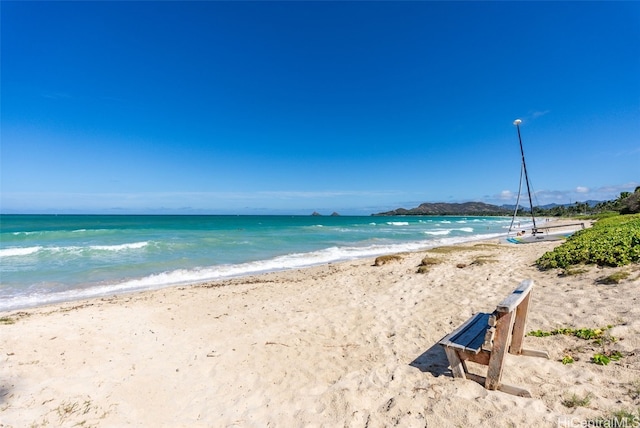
[
  {"x": 499, "y": 352},
  {"x": 509, "y": 389},
  {"x": 476, "y": 378},
  {"x": 517, "y": 337},
  {"x": 458, "y": 367},
  {"x": 513, "y": 300},
  {"x": 480, "y": 358},
  {"x": 514, "y": 390},
  {"x": 534, "y": 353}
]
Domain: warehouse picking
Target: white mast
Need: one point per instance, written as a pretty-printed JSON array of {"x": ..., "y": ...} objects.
[{"x": 517, "y": 123}]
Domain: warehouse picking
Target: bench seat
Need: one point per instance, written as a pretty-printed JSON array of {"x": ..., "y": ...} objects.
[{"x": 470, "y": 335}]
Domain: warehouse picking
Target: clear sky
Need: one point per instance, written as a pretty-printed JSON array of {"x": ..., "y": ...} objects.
[{"x": 299, "y": 106}]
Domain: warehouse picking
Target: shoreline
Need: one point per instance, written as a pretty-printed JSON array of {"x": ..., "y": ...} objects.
[
  {"x": 336, "y": 344},
  {"x": 290, "y": 261}
]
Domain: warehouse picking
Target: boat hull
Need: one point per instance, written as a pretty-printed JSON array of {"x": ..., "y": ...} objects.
[{"x": 538, "y": 238}]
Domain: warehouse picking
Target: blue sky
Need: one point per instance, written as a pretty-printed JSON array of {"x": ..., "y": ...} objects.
[{"x": 294, "y": 107}]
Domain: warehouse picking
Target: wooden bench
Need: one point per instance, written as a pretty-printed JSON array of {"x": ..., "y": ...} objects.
[{"x": 486, "y": 338}]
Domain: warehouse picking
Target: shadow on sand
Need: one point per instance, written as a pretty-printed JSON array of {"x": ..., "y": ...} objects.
[{"x": 434, "y": 361}]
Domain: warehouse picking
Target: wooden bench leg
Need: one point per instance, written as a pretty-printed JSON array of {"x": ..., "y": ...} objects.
[
  {"x": 519, "y": 326},
  {"x": 499, "y": 352},
  {"x": 458, "y": 367},
  {"x": 517, "y": 338}
]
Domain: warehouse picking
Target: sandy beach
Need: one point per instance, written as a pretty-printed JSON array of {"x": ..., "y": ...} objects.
[{"x": 347, "y": 344}]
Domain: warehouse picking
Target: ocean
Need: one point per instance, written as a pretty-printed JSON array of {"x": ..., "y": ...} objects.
[{"x": 54, "y": 258}]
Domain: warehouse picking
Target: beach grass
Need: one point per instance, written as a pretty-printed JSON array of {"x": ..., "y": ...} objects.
[
  {"x": 576, "y": 401},
  {"x": 382, "y": 260}
]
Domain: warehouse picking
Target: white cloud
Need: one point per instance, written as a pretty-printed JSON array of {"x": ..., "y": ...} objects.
[
  {"x": 506, "y": 195},
  {"x": 578, "y": 194},
  {"x": 537, "y": 114}
]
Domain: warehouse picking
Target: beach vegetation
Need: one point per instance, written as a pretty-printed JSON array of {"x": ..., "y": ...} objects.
[
  {"x": 613, "y": 242},
  {"x": 604, "y": 214},
  {"x": 600, "y": 337},
  {"x": 539, "y": 333},
  {"x": 604, "y": 358},
  {"x": 7, "y": 320},
  {"x": 427, "y": 263},
  {"x": 572, "y": 271},
  {"x": 381, "y": 260},
  {"x": 483, "y": 260},
  {"x": 486, "y": 245},
  {"x": 576, "y": 401},
  {"x": 618, "y": 418},
  {"x": 79, "y": 413},
  {"x": 450, "y": 249},
  {"x": 634, "y": 389},
  {"x": 615, "y": 278},
  {"x": 600, "y": 359},
  {"x": 581, "y": 333},
  {"x": 430, "y": 261}
]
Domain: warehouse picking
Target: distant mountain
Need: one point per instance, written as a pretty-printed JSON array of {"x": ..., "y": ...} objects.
[{"x": 441, "y": 208}]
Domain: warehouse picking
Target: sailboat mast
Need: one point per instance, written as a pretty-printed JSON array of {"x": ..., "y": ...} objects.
[{"x": 517, "y": 123}]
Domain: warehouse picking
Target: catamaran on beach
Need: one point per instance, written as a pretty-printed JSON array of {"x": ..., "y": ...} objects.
[{"x": 536, "y": 233}]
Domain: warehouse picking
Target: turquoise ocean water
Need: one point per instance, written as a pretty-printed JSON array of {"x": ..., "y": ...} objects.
[{"x": 49, "y": 258}]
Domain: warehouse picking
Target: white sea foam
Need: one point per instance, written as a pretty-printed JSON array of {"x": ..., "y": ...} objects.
[
  {"x": 121, "y": 247},
  {"x": 192, "y": 276},
  {"x": 77, "y": 256},
  {"x": 437, "y": 232},
  {"x": 26, "y": 251},
  {"x": 19, "y": 251}
]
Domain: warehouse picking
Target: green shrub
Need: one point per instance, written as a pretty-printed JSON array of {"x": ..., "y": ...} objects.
[
  {"x": 613, "y": 241},
  {"x": 615, "y": 278},
  {"x": 600, "y": 359}
]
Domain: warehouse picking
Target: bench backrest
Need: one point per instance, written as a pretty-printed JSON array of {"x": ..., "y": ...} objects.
[{"x": 511, "y": 302}]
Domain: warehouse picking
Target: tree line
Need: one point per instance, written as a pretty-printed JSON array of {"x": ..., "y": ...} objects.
[{"x": 626, "y": 203}]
